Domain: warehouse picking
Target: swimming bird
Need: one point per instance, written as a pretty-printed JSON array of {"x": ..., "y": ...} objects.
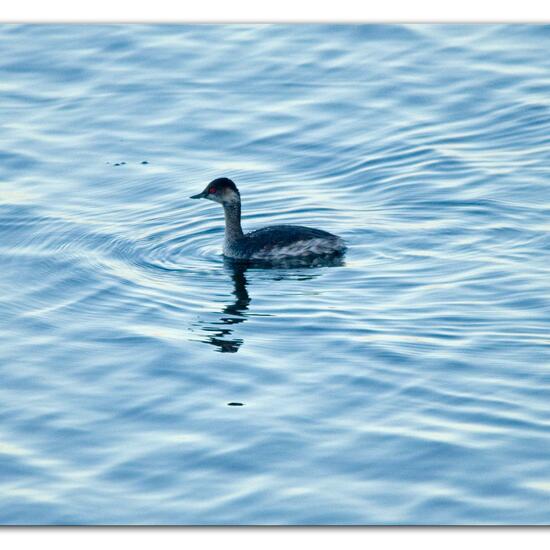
[{"x": 273, "y": 243}]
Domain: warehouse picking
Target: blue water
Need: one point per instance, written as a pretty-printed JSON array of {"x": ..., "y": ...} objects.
[{"x": 410, "y": 385}]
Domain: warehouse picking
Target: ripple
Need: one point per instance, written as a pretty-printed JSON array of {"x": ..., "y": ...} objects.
[{"x": 405, "y": 385}]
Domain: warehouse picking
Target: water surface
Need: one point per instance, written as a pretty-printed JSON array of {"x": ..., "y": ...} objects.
[{"x": 408, "y": 385}]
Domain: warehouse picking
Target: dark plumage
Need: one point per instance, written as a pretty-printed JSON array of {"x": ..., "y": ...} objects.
[
  {"x": 222, "y": 183},
  {"x": 273, "y": 243},
  {"x": 272, "y": 237}
]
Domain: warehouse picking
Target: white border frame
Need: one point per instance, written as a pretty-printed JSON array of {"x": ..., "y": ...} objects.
[
  {"x": 254, "y": 11},
  {"x": 217, "y": 11}
]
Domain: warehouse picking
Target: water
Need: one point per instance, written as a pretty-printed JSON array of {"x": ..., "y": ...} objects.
[{"x": 409, "y": 385}]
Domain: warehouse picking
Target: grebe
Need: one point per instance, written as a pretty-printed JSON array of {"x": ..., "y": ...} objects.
[{"x": 273, "y": 243}]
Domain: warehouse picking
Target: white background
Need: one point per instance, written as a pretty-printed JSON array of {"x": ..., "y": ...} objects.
[
  {"x": 280, "y": 10},
  {"x": 337, "y": 538},
  {"x": 274, "y": 538}
]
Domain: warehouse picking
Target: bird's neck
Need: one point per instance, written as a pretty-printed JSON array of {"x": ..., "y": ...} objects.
[{"x": 233, "y": 230}]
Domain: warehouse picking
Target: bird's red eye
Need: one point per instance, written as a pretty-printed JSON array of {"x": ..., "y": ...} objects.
[{"x": 212, "y": 190}]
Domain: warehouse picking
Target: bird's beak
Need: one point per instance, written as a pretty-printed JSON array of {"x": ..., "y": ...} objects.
[{"x": 199, "y": 196}]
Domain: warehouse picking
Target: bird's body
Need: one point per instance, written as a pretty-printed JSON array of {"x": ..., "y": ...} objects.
[
  {"x": 278, "y": 242},
  {"x": 273, "y": 243}
]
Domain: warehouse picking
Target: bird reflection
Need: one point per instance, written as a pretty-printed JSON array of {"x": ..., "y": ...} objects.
[
  {"x": 219, "y": 333},
  {"x": 233, "y": 313}
]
